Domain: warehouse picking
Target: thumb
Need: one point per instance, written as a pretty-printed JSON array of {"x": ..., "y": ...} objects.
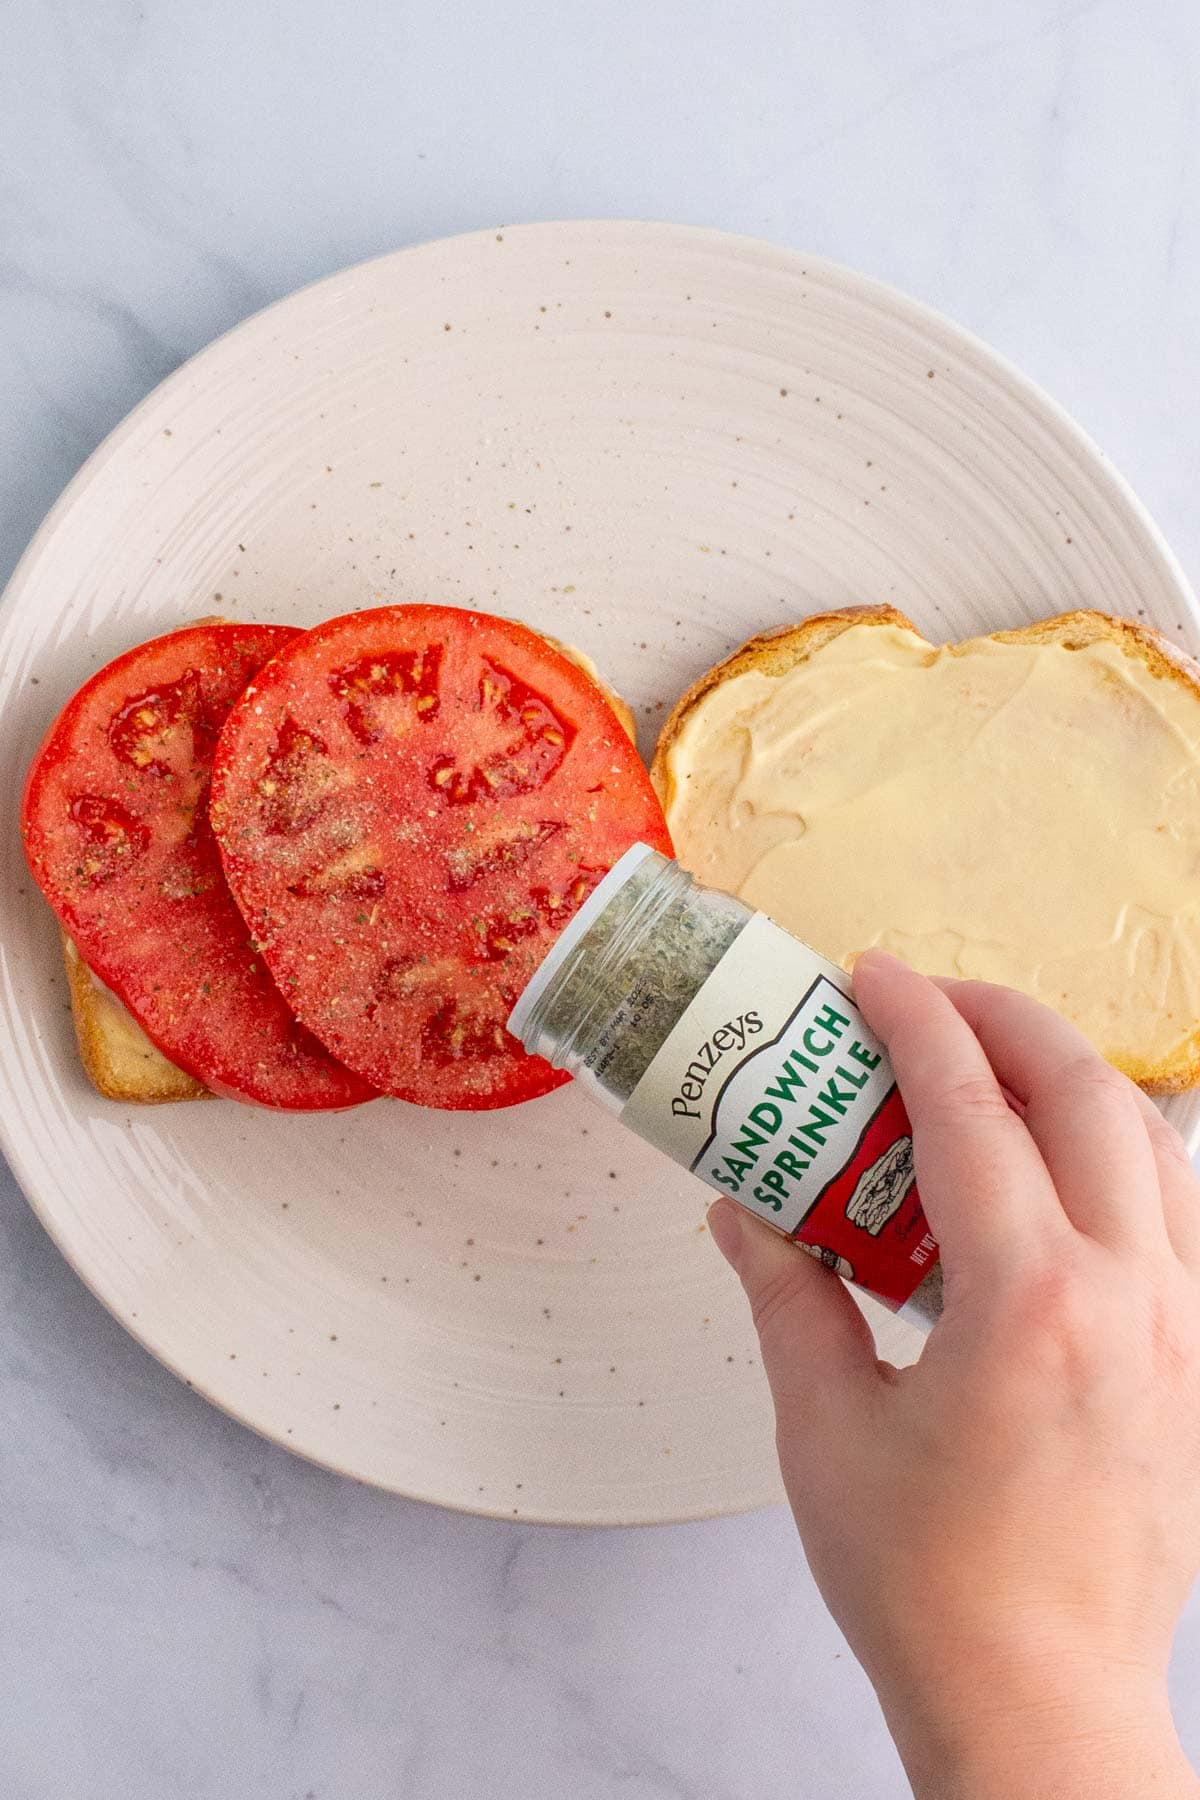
[{"x": 811, "y": 1333}]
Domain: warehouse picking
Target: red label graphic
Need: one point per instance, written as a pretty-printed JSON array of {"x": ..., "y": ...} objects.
[{"x": 869, "y": 1223}]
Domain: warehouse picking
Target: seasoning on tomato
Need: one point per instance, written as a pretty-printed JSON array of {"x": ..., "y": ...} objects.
[
  {"x": 116, "y": 830},
  {"x": 411, "y": 802}
]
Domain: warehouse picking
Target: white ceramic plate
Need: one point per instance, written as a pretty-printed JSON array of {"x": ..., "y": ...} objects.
[{"x": 652, "y": 442}]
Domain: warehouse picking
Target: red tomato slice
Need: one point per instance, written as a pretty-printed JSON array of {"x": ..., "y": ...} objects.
[
  {"x": 410, "y": 803},
  {"x": 115, "y": 822}
]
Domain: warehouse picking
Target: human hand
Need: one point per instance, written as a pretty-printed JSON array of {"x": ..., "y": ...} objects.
[{"x": 1006, "y": 1531}]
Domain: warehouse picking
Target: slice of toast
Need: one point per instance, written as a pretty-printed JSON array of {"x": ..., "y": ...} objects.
[
  {"x": 116, "y": 1053},
  {"x": 118, "y": 1057},
  {"x": 857, "y": 783}
]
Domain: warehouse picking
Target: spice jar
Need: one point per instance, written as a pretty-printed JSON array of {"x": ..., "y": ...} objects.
[{"x": 740, "y": 1052}]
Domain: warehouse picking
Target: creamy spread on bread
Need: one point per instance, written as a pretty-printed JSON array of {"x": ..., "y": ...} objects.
[{"x": 1014, "y": 812}]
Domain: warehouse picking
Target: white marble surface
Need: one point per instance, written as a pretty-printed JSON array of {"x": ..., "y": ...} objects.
[{"x": 186, "y": 1613}]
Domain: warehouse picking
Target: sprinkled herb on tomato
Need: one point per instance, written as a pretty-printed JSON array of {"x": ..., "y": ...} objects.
[
  {"x": 116, "y": 829},
  {"x": 410, "y": 803}
]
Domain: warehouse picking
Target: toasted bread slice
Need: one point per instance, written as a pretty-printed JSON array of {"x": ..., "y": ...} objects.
[
  {"x": 1021, "y": 808},
  {"x": 116, "y": 1053}
]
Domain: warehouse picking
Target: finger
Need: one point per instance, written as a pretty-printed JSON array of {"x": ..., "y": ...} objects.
[
  {"x": 1082, "y": 1113},
  {"x": 815, "y": 1342},
  {"x": 1177, "y": 1182},
  {"x": 984, "y": 1187}
]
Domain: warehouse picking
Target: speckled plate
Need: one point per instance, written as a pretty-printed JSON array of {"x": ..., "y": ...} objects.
[{"x": 651, "y": 441}]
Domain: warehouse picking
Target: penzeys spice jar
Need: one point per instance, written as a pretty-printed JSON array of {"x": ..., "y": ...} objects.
[{"x": 740, "y": 1052}]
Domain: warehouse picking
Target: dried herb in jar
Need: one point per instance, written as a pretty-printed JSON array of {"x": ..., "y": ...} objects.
[{"x": 739, "y": 1051}]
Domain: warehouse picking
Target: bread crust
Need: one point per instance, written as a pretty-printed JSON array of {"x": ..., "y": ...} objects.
[
  {"x": 118, "y": 1057},
  {"x": 582, "y": 661},
  {"x": 774, "y": 653}
]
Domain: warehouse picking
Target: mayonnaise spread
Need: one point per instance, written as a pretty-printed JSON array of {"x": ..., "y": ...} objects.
[{"x": 1016, "y": 812}]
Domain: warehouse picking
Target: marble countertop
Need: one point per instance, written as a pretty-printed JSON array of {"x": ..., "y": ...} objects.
[{"x": 188, "y": 1613}]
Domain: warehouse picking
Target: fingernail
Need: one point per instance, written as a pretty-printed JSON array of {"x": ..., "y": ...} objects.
[
  {"x": 725, "y": 1224},
  {"x": 874, "y": 962},
  {"x": 876, "y": 958}
]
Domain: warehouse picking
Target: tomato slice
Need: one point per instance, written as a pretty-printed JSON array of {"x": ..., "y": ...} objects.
[
  {"x": 410, "y": 804},
  {"x": 116, "y": 829}
]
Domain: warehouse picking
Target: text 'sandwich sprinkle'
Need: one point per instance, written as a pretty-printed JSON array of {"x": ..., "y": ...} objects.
[{"x": 741, "y": 1053}]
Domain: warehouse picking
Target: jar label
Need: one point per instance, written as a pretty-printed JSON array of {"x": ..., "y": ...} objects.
[{"x": 772, "y": 1089}]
